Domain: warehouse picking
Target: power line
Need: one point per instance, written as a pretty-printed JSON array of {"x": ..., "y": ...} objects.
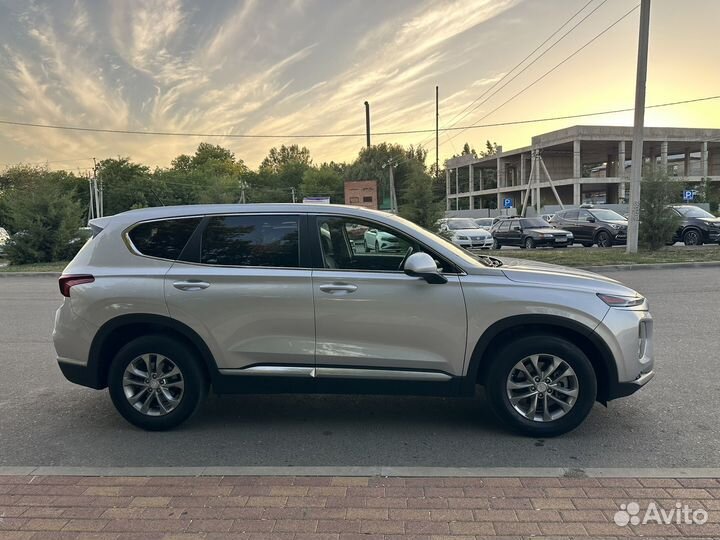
[
  {"x": 548, "y": 72},
  {"x": 384, "y": 133},
  {"x": 452, "y": 122}
]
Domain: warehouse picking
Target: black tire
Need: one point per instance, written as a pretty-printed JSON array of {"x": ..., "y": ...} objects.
[
  {"x": 587, "y": 244},
  {"x": 558, "y": 247},
  {"x": 529, "y": 243},
  {"x": 692, "y": 237},
  {"x": 496, "y": 244},
  {"x": 503, "y": 363},
  {"x": 185, "y": 360},
  {"x": 603, "y": 239}
]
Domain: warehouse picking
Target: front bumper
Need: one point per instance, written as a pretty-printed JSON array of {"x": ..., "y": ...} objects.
[
  {"x": 475, "y": 244},
  {"x": 711, "y": 236},
  {"x": 629, "y": 388},
  {"x": 553, "y": 242}
]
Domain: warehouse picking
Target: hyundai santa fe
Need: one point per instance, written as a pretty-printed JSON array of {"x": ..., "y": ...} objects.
[{"x": 163, "y": 304}]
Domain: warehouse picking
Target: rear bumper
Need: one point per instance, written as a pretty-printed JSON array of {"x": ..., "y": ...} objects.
[{"x": 79, "y": 374}]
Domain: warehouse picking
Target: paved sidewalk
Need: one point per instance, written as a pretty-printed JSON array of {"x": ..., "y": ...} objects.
[{"x": 343, "y": 508}]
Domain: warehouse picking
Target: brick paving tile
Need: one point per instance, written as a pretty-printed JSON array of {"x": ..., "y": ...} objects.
[{"x": 341, "y": 508}]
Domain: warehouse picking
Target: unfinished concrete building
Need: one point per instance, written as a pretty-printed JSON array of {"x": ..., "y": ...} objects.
[{"x": 587, "y": 164}]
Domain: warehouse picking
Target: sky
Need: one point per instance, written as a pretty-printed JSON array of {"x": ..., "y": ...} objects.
[{"x": 298, "y": 67}]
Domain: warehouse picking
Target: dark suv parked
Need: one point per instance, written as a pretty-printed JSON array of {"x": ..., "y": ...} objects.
[
  {"x": 696, "y": 226},
  {"x": 528, "y": 233},
  {"x": 600, "y": 226}
]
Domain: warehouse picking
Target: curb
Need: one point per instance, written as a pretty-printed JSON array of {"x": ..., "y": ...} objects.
[
  {"x": 650, "y": 266},
  {"x": 479, "y": 472},
  {"x": 30, "y": 274}
]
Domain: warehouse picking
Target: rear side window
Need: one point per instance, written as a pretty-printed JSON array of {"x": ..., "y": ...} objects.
[
  {"x": 252, "y": 241},
  {"x": 163, "y": 239}
]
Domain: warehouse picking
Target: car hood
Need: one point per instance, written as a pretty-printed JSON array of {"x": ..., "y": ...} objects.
[
  {"x": 617, "y": 222},
  {"x": 546, "y": 230},
  {"x": 708, "y": 220},
  {"x": 524, "y": 271},
  {"x": 470, "y": 232}
]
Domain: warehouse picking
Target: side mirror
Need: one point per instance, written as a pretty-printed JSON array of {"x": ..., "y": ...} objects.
[
  {"x": 423, "y": 265},
  {"x": 590, "y": 219}
]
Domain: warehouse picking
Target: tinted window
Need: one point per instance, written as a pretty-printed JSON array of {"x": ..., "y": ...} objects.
[
  {"x": 606, "y": 215},
  {"x": 572, "y": 215},
  {"x": 534, "y": 222},
  {"x": 504, "y": 226},
  {"x": 251, "y": 241},
  {"x": 163, "y": 239}
]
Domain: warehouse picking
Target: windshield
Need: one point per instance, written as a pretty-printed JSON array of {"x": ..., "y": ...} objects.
[
  {"x": 456, "y": 224},
  {"x": 534, "y": 223},
  {"x": 693, "y": 211},
  {"x": 604, "y": 214}
]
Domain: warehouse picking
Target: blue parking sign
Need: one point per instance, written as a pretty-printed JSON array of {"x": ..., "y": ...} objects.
[
  {"x": 507, "y": 203},
  {"x": 688, "y": 195}
]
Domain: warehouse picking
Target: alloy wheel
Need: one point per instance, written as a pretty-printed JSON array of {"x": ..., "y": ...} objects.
[
  {"x": 542, "y": 387},
  {"x": 153, "y": 384},
  {"x": 603, "y": 240},
  {"x": 692, "y": 238}
]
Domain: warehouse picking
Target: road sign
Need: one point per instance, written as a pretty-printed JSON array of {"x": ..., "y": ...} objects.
[
  {"x": 689, "y": 194},
  {"x": 507, "y": 203}
]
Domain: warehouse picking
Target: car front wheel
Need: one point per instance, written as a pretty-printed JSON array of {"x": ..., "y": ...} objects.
[
  {"x": 529, "y": 243},
  {"x": 541, "y": 385},
  {"x": 692, "y": 238},
  {"x": 603, "y": 240},
  {"x": 156, "y": 383}
]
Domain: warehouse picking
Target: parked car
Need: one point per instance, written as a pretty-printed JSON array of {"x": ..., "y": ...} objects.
[
  {"x": 464, "y": 232},
  {"x": 529, "y": 233},
  {"x": 4, "y": 237},
  {"x": 485, "y": 222},
  {"x": 600, "y": 226},
  {"x": 163, "y": 304},
  {"x": 376, "y": 240},
  {"x": 697, "y": 226}
]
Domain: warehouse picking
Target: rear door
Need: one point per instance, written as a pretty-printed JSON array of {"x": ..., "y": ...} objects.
[
  {"x": 244, "y": 284},
  {"x": 375, "y": 322}
]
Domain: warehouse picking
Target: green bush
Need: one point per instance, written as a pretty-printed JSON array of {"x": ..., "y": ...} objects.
[
  {"x": 45, "y": 223},
  {"x": 657, "y": 223}
]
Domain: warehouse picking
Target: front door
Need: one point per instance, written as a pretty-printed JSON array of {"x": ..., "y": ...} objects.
[
  {"x": 374, "y": 321},
  {"x": 248, "y": 292}
]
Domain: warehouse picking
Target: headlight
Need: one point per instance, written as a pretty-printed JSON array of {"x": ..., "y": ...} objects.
[
  {"x": 715, "y": 224},
  {"x": 461, "y": 237},
  {"x": 570, "y": 235},
  {"x": 615, "y": 226},
  {"x": 543, "y": 235},
  {"x": 621, "y": 301}
]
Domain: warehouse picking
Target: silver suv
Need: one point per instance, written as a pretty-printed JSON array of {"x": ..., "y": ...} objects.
[{"x": 164, "y": 303}]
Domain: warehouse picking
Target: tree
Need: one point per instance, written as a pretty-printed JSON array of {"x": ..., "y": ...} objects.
[
  {"x": 279, "y": 158},
  {"x": 210, "y": 152},
  {"x": 45, "y": 223},
  {"x": 490, "y": 149},
  {"x": 126, "y": 185},
  {"x": 418, "y": 203},
  {"x": 323, "y": 181},
  {"x": 657, "y": 223}
]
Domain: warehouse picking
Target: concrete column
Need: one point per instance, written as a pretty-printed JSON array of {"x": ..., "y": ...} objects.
[
  {"x": 471, "y": 188},
  {"x": 522, "y": 168},
  {"x": 608, "y": 166},
  {"x": 447, "y": 188},
  {"x": 577, "y": 163},
  {"x": 704, "y": 158},
  {"x": 687, "y": 162},
  {"x": 500, "y": 173},
  {"x": 457, "y": 189},
  {"x": 663, "y": 154},
  {"x": 576, "y": 192},
  {"x": 499, "y": 200},
  {"x": 621, "y": 169}
]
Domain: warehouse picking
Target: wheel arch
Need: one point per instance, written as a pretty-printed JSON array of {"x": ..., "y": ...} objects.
[
  {"x": 118, "y": 331},
  {"x": 580, "y": 335},
  {"x": 692, "y": 227}
]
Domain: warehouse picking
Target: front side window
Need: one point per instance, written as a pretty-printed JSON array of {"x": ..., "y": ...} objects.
[
  {"x": 163, "y": 239},
  {"x": 603, "y": 214},
  {"x": 354, "y": 244},
  {"x": 247, "y": 240},
  {"x": 572, "y": 215}
]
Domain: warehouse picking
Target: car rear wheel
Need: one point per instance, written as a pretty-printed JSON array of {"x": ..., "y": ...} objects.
[
  {"x": 156, "y": 383},
  {"x": 603, "y": 239},
  {"x": 692, "y": 237},
  {"x": 529, "y": 243},
  {"x": 541, "y": 385}
]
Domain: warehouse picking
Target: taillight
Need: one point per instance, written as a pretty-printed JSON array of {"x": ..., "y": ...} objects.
[{"x": 68, "y": 282}]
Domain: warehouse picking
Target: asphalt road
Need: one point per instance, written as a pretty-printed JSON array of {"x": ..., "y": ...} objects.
[{"x": 45, "y": 420}]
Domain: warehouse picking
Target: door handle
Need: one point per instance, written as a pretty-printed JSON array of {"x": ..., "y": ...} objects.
[
  {"x": 331, "y": 288},
  {"x": 191, "y": 285}
]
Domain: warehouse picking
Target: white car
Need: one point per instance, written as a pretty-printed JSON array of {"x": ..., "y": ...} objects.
[
  {"x": 464, "y": 232},
  {"x": 378, "y": 241},
  {"x": 4, "y": 237}
]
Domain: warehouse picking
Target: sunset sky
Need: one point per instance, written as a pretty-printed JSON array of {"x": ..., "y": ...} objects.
[{"x": 306, "y": 67}]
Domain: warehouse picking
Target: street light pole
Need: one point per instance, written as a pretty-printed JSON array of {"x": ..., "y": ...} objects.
[
  {"x": 637, "y": 145},
  {"x": 367, "y": 123}
]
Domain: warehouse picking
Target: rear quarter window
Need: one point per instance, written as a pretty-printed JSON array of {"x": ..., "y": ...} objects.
[{"x": 163, "y": 239}]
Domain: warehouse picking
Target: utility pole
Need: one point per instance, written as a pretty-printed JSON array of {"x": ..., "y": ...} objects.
[
  {"x": 91, "y": 211},
  {"x": 98, "y": 202},
  {"x": 367, "y": 123},
  {"x": 243, "y": 187},
  {"x": 437, "y": 133},
  {"x": 393, "y": 197},
  {"x": 292, "y": 190},
  {"x": 637, "y": 145}
]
